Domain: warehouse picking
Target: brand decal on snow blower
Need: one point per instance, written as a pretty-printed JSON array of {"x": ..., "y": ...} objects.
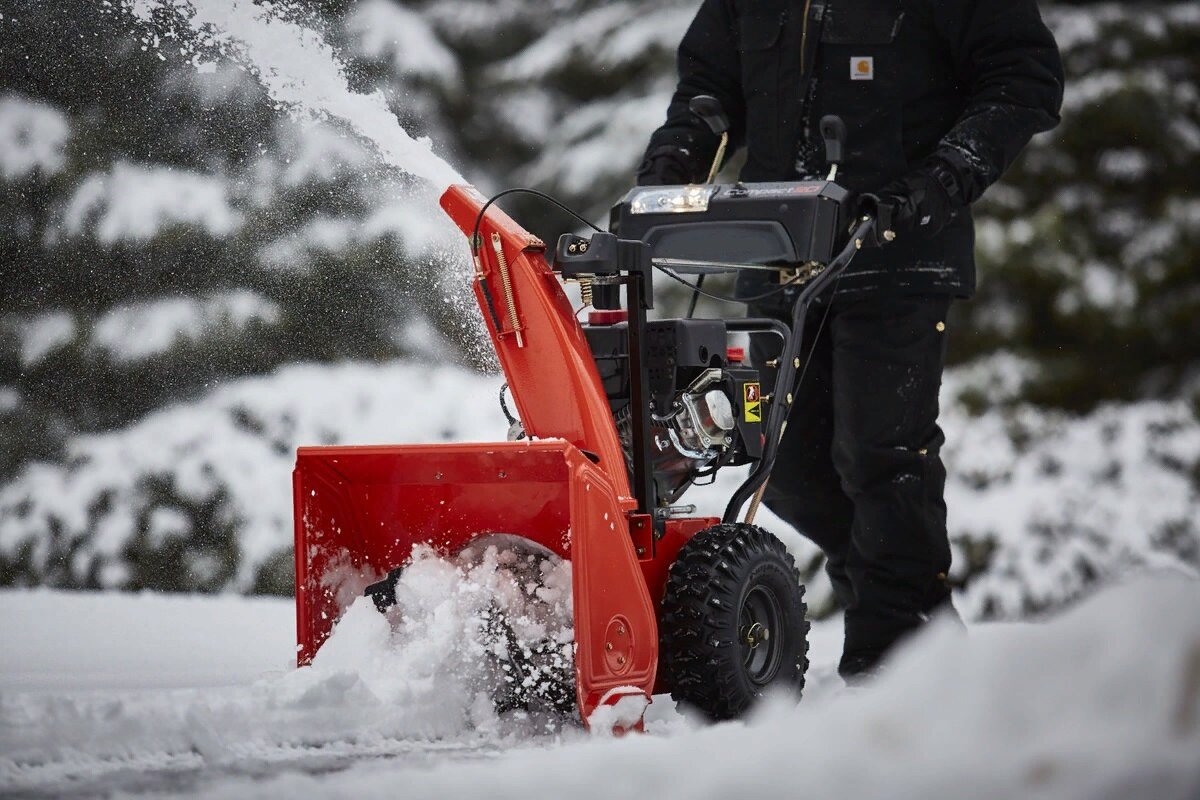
[{"x": 752, "y": 401}]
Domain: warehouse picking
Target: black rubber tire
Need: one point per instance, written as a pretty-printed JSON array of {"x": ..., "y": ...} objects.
[{"x": 723, "y": 577}]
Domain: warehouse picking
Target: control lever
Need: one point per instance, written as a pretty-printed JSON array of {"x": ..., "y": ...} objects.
[
  {"x": 708, "y": 108},
  {"x": 833, "y": 132}
]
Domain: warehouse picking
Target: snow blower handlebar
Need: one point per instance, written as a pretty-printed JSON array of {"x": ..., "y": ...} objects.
[{"x": 789, "y": 364}]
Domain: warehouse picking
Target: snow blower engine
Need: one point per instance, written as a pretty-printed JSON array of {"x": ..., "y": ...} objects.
[{"x": 615, "y": 419}]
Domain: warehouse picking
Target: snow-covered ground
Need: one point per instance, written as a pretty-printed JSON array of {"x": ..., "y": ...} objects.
[{"x": 108, "y": 693}]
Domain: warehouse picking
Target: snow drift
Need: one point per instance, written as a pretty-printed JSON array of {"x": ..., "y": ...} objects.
[{"x": 1101, "y": 702}]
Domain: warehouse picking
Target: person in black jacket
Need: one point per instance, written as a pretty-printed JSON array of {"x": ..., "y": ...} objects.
[{"x": 938, "y": 97}]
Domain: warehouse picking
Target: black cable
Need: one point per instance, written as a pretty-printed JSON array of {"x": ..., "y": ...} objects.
[
  {"x": 695, "y": 295},
  {"x": 520, "y": 190},
  {"x": 817, "y": 336},
  {"x": 504, "y": 406},
  {"x": 753, "y": 298}
]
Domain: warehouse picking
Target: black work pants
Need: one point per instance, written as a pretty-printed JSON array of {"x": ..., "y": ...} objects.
[{"x": 859, "y": 471}]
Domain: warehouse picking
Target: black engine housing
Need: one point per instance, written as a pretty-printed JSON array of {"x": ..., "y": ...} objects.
[{"x": 677, "y": 353}]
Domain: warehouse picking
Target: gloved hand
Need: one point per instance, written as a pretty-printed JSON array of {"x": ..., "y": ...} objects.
[
  {"x": 664, "y": 166},
  {"x": 921, "y": 202}
]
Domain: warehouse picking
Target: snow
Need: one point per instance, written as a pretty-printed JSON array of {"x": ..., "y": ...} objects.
[
  {"x": 1060, "y": 501},
  {"x": 391, "y": 32},
  {"x": 240, "y": 438},
  {"x": 33, "y": 136},
  {"x": 610, "y": 37},
  {"x": 1099, "y": 287},
  {"x": 138, "y": 330},
  {"x": 42, "y": 334},
  {"x": 83, "y": 642},
  {"x": 320, "y": 153},
  {"x": 1094, "y": 89},
  {"x": 103, "y": 693},
  {"x": 136, "y": 202},
  {"x": 1065, "y": 501},
  {"x": 597, "y": 141},
  {"x": 295, "y": 64},
  {"x": 1127, "y": 164},
  {"x": 620, "y": 709}
]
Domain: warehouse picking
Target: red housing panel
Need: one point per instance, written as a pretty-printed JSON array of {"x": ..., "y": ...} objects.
[{"x": 360, "y": 510}]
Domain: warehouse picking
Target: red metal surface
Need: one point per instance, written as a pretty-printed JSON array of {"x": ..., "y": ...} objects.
[
  {"x": 359, "y": 511},
  {"x": 605, "y": 316},
  {"x": 553, "y": 378}
]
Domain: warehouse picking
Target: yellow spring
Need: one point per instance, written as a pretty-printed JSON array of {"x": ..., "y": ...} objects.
[{"x": 506, "y": 287}]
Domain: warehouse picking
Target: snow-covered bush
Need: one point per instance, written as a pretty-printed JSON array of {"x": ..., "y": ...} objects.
[
  {"x": 172, "y": 245},
  {"x": 196, "y": 496}
]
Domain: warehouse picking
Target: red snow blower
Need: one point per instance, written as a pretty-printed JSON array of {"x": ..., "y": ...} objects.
[{"x": 615, "y": 419}]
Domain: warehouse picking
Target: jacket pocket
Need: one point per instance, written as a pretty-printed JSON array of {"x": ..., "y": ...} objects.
[
  {"x": 862, "y": 22},
  {"x": 760, "y": 28},
  {"x": 860, "y": 81}
]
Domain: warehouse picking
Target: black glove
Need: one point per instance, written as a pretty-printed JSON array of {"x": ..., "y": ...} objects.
[
  {"x": 664, "y": 166},
  {"x": 920, "y": 203}
]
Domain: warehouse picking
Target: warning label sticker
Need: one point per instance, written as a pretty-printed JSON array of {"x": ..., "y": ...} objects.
[{"x": 752, "y": 402}]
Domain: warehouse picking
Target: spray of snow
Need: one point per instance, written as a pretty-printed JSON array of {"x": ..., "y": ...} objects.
[
  {"x": 298, "y": 68},
  {"x": 305, "y": 78},
  {"x": 620, "y": 709},
  {"x": 436, "y": 654},
  {"x": 424, "y": 672}
]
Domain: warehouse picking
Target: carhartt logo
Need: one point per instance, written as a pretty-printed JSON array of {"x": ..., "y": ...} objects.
[{"x": 862, "y": 68}]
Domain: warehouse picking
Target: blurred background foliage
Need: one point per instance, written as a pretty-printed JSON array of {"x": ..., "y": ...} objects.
[{"x": 165, "y": 230}]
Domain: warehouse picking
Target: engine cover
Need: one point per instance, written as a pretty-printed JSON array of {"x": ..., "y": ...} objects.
[{"x": 706, "y": 409}]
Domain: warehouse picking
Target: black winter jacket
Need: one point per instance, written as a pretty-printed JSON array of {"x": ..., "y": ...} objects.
[{"x": 963, "y": 83}]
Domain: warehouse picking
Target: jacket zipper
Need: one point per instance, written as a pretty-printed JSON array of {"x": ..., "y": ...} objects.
[{"x": 804, "y": 36}]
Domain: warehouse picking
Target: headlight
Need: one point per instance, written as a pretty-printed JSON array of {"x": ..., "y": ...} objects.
[{"x": 672, "y": 200}]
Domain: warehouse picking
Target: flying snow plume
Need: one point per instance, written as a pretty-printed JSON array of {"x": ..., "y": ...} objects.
[{"x": 295, "y": 64}]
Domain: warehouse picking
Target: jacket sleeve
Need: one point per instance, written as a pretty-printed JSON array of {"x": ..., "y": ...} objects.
[
  {"x": 709, "y": 64},
  {"x": 1012, "y": 77}
]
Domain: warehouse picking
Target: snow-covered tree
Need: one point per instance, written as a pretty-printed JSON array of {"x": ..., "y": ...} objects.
[{"x": 171, "y": 241}]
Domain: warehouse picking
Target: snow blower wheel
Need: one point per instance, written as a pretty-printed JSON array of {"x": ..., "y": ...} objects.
[{"x": 733, "y": 621}]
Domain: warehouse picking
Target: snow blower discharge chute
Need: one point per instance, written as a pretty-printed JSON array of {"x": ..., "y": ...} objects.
[{"x": 618, "y": 417}]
